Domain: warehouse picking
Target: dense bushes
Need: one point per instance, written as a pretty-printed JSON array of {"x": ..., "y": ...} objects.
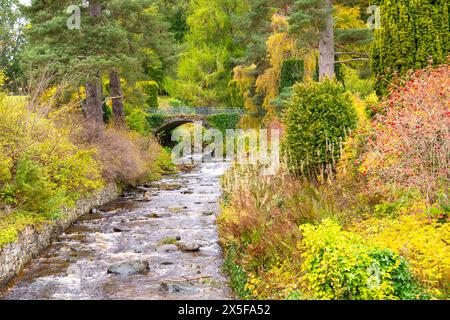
[
  {"x": 151, "y": 91},
  {"x": 136, "y": 120},
  {"x": 340, "y": 265},
  {"x": 377, "y": 229},
  {"x": 128, "y": 156},
  {"x": 318, "y": 117},
  {"x": 41, "y": 168},
  {"x": 412, "y": 32},
  {"x": 259, "y": 231},
  {"x": 292, "y": 72},
  {"x": 268, "y": 257},
  {"x": 224, "y": 121},
  {"x": 410, "y": 144},
  {"x": 421, "y": 241}
]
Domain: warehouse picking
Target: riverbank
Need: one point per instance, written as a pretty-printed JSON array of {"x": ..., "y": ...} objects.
[{"x": 35, "y": 238}]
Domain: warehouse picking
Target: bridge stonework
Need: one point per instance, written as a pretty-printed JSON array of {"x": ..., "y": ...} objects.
[
  {"x": 164, "y": 131},
  {"x": 167, "y": 120}
]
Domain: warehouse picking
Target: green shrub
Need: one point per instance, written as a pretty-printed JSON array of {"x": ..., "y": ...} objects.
[
  {"x": 238, "y": 277},
  {"x": 33, "y": 189},
  {"x": 151, "y": 91},
  {"x": 137, "y": 120},
  {"x": 235, "y": 93},
  {"x": 173, "y": 102},
  {"x": 107, "y": 113},
  {"x": 163, "y": 164},
  {"x": 355, "y": 84},
  {"x": 340, "y": 265},
  {"x": 318, "y": 116},
  {"x": 224, "y": 121},
  {"x": 292, "y": 71},
  {"x": 155, "y": 120},
  {"x": 41, "y": 170},
  {"x": 164, "y": 161}
]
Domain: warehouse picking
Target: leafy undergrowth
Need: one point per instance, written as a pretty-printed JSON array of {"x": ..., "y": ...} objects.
[
  {"x": 375, "y": 229},
  {"x": 13, "y": 224},
  {"x": 49, "y": 160}
]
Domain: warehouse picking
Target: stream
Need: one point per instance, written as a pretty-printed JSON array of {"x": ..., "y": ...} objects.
[{"x": 158, "y": 242}]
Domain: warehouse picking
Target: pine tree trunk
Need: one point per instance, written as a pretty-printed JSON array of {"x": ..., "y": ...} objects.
[
  {"x": 117, "y": 99},
  {"x": 94, "y": 110},
  {"x": 95, "y": 8},
  {"x": 326, "y": 46}
]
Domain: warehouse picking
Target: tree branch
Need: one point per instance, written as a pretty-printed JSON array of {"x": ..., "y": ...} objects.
[
  {"x": 354, "y": 53},
  {"x": 354, "y": 59}
]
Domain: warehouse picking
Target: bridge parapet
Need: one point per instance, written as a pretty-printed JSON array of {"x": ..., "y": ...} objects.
[{"x": 170, "y": 111}]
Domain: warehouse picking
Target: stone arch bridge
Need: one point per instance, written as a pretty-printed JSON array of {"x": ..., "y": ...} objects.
[{"x": 165, "y": 121}]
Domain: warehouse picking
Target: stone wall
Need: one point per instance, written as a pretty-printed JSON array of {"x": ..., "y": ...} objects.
[{"x": 33, "y": 240}]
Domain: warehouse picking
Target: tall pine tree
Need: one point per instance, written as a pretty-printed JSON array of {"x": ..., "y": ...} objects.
[{"x": 313, "y": 23}]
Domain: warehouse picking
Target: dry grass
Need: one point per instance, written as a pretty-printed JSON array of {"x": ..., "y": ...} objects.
[
  {"x": 126, "y": 156},
  {"x": 267, "y": 210}
]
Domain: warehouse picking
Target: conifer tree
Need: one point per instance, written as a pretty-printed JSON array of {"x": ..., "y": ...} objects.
[
  {"x": 11, "y": 42},
  {"x": 112, "y": 41},
  {"x": 78, "y": 56},
  {"x": 313, "y": 23},
  {"x": 413, "y": 33}
]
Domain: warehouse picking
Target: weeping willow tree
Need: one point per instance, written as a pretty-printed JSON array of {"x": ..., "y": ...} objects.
[
  {"x": 280, "y": 47},
  {"x": 413, "y": 34}
]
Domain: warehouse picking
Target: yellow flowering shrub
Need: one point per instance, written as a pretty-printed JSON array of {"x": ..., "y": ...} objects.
[
  {"x": 341, "y": 265},
  {"x": 425, "y": 244},
  {"x": 281, "y": 281},
  {"x": 13, "y": 224},
  {"x": 41, "y": 169}
]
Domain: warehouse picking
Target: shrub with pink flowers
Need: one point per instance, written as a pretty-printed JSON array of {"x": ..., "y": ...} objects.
[{"x": 410, "y": 144}]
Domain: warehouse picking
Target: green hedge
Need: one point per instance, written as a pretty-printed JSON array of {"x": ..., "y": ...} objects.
[
  {"x": 411, "y": 33},
  {"x": 292, "y": 71},
  {"x": 151, "y": 90},
  {"x": 155, "y": 120},
  {"x": 318, "y": 115}
]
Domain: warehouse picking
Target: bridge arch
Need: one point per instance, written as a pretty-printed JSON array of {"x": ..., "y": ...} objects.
[{"x": 164, "y": 131}]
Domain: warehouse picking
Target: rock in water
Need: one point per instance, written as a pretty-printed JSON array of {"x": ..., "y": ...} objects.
[
  {"x": 177, "y": 287},
  {"x": 176, "y": 209},
  {"x": 189, "y": 247},
  {"x": 121, "y": 229},
  {"x": 129, "y": 268},
  {"x": 167, "y": 248}
]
